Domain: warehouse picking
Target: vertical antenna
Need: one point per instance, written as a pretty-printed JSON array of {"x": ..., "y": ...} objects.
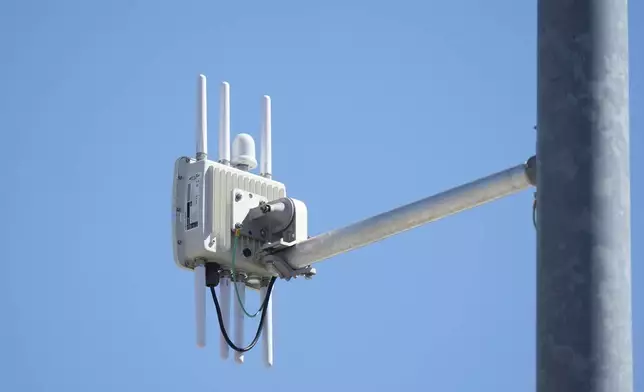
[
  {"x": 266, "y": 158},
  {"x": 239, "y": 317},
  {"x": 200, "y": 270},
  {"x": 202, "y": 119},
  {"x": 224, "y": 124},
  {"x": 200, "y": 304},
  {"x": 267, "y": 328},
  {"x": 224, "y": 293}
]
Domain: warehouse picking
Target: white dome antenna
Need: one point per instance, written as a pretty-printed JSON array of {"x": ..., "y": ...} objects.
[{"x": 243, "y": 154}]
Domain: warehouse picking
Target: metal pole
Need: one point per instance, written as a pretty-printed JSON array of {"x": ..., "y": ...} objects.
[
  {"x": 410, "y": 216},
  {"x": 584, "y": 336}
]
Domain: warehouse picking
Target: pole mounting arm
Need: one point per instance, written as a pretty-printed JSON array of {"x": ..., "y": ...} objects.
[{"x": 303, "y": 254}]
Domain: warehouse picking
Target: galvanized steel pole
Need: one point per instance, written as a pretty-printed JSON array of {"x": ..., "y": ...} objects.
[{"x": 584, "y": 333}]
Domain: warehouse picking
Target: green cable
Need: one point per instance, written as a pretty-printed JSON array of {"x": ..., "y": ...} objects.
[{"x": 235, "y": 283}]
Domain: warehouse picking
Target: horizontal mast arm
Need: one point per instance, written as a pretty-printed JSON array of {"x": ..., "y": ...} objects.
[{"x": 412, "y": 215}]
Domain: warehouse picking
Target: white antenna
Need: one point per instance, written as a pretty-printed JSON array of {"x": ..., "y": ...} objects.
[
  {"x": 224, "y": 124},
  {"x": 266, "y": 158},
  {"x": 195, "y": 199},
  {"x": 267, "y": 329},
  {"x": 200, "y": 270},
  {"x": 239, "y": 317},
  {"x": 200, "y": 304},
  {"x": 224, "y": 294},
  {"x": 202, "y": 119},
  {"x": 266, "y": 170}
]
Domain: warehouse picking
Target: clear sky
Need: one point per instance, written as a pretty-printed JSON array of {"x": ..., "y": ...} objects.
[{"x": 375, "y": 104}]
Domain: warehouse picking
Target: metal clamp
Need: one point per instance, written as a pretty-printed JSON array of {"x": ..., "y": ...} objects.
[{"x": 284, "y": 269}]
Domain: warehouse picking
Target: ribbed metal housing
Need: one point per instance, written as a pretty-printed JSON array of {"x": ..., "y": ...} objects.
[
  {"x": 202, "y": 206},
  {"x": 224, "y": 180}
]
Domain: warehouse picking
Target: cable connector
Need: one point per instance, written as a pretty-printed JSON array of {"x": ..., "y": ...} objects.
[{"x": 212, "y": 274}]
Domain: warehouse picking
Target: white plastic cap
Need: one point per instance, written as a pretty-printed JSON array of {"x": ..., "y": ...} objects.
[{"x": 243, "y": 152}]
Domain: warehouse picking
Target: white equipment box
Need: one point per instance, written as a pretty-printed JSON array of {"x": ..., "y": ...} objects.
[
  {"x": 209, "y": 198},
  {"x": 228, "y": 223}
]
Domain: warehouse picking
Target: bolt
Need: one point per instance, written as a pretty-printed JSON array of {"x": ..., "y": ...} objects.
[
  {"x": 187, "y": 160},
  {"x": 178, "y": 209},
  {"x": 180, "y": 177},
  {"x": 310, "y": 274},
  {"x": 250, "y": 195},
  {"x": 179, "y": 242},
  {"x": 238, "y": 197}
]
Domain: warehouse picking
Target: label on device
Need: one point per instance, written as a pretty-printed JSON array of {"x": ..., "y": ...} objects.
[{"x": 193, "y": 203}]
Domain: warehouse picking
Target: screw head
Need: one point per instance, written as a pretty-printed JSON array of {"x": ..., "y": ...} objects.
[
  {"x": 180, "y": 177},
  {"x": 178, "y": 209},
  {"x": 238, "y": 197},
  {"x": 179, "y": 242},
  {"x": 187, "y": 160}
]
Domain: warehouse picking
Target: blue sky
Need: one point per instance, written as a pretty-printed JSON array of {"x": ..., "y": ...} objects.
[{"x": 375, "y": 104}]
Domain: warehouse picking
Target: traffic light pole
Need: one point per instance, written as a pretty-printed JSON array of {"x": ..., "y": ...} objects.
[{"x": 584, "y": 336}]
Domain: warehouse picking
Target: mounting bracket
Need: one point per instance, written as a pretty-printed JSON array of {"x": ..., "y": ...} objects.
[{"x": 284, "y": 269}]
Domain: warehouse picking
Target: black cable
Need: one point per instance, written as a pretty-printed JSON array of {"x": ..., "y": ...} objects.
[{"x": 261, "y": 320}]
